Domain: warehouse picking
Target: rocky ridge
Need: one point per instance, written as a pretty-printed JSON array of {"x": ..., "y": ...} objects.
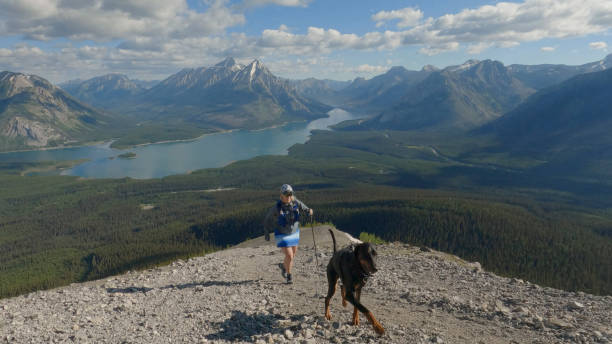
[
  {"x": 238, "y": 295},
  {"x": 35, "y": 113}
]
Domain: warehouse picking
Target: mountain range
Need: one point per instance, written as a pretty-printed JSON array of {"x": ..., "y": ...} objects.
[
  {"x": 460, "y": 97},
  {"x": 227, "y": 95}
]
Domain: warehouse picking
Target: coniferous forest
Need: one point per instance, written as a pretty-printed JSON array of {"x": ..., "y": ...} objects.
[{"x": 55, "y": 230}]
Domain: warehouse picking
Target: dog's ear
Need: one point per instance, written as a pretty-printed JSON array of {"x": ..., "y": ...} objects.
[
  {"x": 362, "y": 250},
  {"x": 358, "y": 249}
]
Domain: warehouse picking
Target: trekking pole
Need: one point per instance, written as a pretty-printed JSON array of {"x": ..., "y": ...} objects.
[{"x": 313, "y": 238}]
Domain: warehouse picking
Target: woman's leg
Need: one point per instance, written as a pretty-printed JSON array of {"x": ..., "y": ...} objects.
[{"x": 288, "y": 251}]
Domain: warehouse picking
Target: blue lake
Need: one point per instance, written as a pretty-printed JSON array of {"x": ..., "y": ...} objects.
[{"x": 163, "y": 159}]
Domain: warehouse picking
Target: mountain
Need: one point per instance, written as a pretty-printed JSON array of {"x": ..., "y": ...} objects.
[
  {"x": 107, "y": 91},
  {"x": 565, "y": 125},
  {"x": 146, "y": 84},
  {"x": 380, "y": 92},
  {"x": 35, "y": 113},
  {"x": 457, "y": 97},
  {"x": 226, "y": 95},
  {"x": 237, "y": 295},
  {"x": 324, "y": 91},
  {"x": 542, "y": 76}
]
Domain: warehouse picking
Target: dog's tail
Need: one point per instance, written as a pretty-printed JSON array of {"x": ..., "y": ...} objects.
[{"x": 333, "y": 238}]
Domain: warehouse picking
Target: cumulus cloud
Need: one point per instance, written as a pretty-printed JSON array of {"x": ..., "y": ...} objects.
[
  {"x": 106, "y": 20},
  {"x": 407, "y": 17},
  {"x": 366, "y": 68},
  {"x": 598, "y": 45},
  {"x": 548, "y": 49},
  {"x": 475, "y": 49},
  {"x": 439, "y": 48},
  {"x": 502, "y": 25},
  {"x": 289, "y": 3}
]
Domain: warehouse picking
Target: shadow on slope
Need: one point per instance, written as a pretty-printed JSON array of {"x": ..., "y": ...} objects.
[{"x": 242, "y": 326}]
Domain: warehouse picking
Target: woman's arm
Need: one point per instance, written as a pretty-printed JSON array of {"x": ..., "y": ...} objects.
[
  {"x": 269, "y": 222},
  {"x": 303, "y": 206}
]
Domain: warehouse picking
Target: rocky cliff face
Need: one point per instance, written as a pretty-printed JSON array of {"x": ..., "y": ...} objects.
[
  {"x": 35, "y": 133},
  {"x": 35, "y": 113},
  {"x": 238, "y": 295}
]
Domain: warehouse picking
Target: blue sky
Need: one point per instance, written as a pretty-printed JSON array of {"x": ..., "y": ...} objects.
[{"x": 338, "y": 39}]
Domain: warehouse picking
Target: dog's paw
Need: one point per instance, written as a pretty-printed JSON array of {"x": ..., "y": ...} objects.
[
  {"x": 328, "y": 315},
  {"x": 379, "y": 329}
]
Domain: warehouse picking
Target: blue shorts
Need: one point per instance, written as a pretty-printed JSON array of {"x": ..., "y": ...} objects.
[{"x": 286, "y": 240}]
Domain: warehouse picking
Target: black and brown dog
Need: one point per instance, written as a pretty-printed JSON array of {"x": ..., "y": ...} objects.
[{"x": 353, "y": 266}]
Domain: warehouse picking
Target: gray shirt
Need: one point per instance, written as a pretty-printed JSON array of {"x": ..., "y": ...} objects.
[{"x": 285, "y": 217}]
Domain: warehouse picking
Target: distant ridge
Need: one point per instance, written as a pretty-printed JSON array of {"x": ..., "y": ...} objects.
[
  {"x": 106, "y": 91},
  {"x": 545, "y": 75},
  {"x": 457, "y": 97}
]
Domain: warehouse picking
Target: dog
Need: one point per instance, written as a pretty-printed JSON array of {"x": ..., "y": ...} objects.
[{"x": 352, "y": 266}]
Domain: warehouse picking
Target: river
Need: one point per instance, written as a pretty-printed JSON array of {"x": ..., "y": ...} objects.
[{"x": 163, "y": 159}]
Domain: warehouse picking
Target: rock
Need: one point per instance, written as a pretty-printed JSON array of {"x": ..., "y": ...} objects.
[
  {"x": 557, "y": 323},
  {"x": 500, "y": 308},
  {"x": 522, "y": 311},
  {"x": 575, "y": 306},
  {"x": 475, "y": 266},
  {"x": 437, "y": 339},
  {"x": 288, "y": 334}
]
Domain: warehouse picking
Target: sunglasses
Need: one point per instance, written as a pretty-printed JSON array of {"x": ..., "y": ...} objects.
[{"x": 287, "y": 194}]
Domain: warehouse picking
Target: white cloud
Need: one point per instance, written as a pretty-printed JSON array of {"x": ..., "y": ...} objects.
[
  {"x": 503, "y": 25},
  {"x": 475, "y": 49},
  {"x": 548, "y": 49},
  {"x": 106, "y": 20},
  {"x": 366, "y": 68},
  {"x": 289, "y": 3},
  {"x": 407, "y": 17},
  {"x": 598, "y": 45},
  {"x": 439, "y": 48}
]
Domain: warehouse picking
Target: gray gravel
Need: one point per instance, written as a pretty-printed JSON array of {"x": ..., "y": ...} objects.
[{"x": 238, "y": 295}]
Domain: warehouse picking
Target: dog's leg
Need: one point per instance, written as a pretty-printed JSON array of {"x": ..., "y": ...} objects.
[
  {"x": 355, "y": 310},
  {"x": 350, "y": 297},
  {"x": 332, "y": 281},
  {"x": 343, "y": 295}
]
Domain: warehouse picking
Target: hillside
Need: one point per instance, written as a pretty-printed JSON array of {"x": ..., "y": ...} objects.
[
  {"x": 238, "y": 295},
  {"x": 35, "y": 114},
  {"x": 546, "y": 75},
  {"x": 567, "y": 126},
  {"x": 458, "y": 97},
  {"x": 324, "y": 91},
  {"x": 107, "y": 91},
  {"x": 381, "y": 92}
]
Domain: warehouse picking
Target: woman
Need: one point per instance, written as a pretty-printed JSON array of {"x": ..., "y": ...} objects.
[{"x": 284, "y": 217}]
